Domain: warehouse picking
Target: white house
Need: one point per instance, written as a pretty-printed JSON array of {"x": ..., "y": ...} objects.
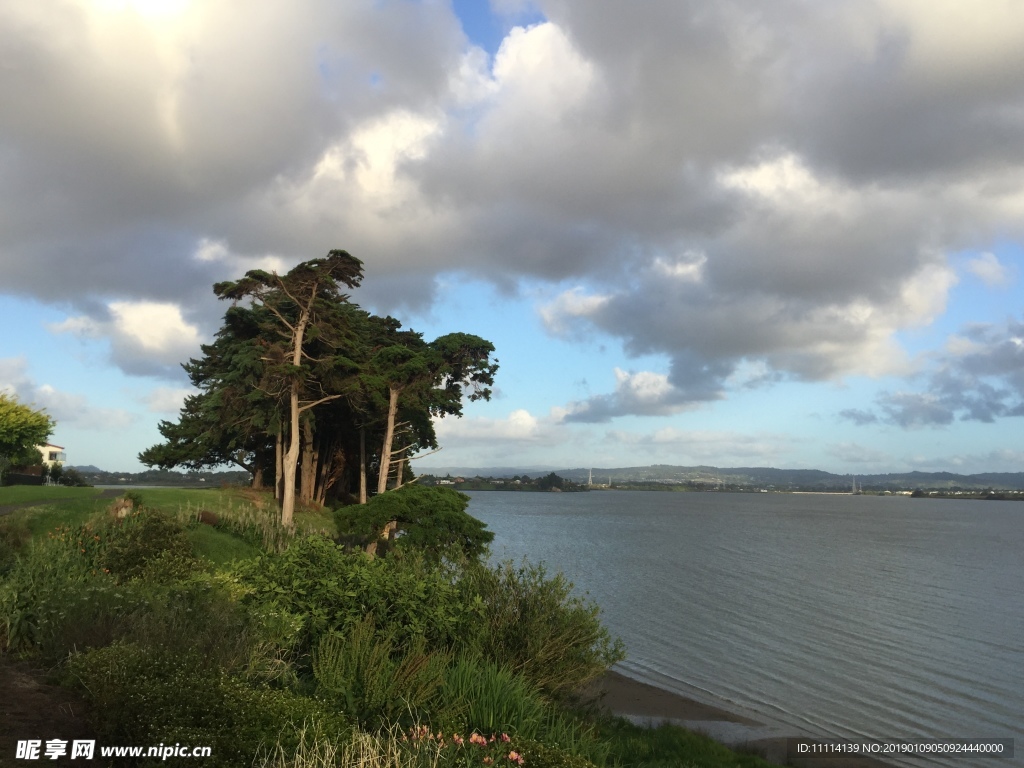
[{"x": 52, "y": 454}]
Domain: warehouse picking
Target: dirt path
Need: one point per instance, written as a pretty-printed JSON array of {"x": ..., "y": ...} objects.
[{"x": 31, "y": 708}]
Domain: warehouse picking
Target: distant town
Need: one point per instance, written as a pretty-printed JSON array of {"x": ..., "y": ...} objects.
[{"x": 659, "y": 477}]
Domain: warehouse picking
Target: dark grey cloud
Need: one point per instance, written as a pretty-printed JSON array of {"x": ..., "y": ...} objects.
[
  {"x": 980, "y": 380},
  {"x": 737, "y": 185}
]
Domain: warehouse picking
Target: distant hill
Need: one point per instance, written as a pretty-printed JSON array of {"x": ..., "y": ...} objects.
[
  {"x": 96, "y": 476},
  {"x": 781, "y": 479}
]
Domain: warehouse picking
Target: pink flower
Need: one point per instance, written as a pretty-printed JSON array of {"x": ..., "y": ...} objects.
[
  {"x": 505, "y": 738},
  {"x": 488, "y": 760},
  {"x": 515, "y": 757}
]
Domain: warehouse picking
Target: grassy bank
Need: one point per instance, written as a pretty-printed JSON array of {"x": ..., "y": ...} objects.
[{"x": 197, "y": 619}]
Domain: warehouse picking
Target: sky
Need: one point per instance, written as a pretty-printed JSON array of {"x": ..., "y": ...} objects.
[{"x": 719, "y": 232}]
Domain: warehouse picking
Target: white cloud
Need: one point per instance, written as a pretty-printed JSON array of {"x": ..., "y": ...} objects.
[
  {"x": 146, "y": 337},
  {"x": 559, "y": 315},
  {"x": 166, "y": 400},
  {"x": 989, "y": 270},
  {"x": 732, "y": 187},
  {"x": 520, "y": 426},
  {"x": 66, "y": 408},
  {"x": 644, "y": 393}
]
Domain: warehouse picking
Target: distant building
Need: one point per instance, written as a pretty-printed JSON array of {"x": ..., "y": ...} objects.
[{"x": 52, "y": 454}]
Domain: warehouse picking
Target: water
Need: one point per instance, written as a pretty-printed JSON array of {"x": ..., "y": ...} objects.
[{"x": 832, "y": 616}]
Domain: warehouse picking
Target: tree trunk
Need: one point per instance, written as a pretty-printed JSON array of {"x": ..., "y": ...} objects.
[
  {"x": 389, "y": 435},
  {"x": 362, "y": 465},
  {"x": 291, "y": 461},
  {"x": 306, "y": 489},
  {"x": 291, "y": 457},
  {"x": 279, "y": 468}
]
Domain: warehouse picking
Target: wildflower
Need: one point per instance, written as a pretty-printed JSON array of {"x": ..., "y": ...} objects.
[
  {"x": 488, "y": 760},
  {"x": 516, "y": 758},
  {"x": 458, "y": 739},
  {"x": 505, "y": 738}
]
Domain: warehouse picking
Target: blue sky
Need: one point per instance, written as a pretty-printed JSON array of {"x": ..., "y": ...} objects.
[{"x": 749, "y": 236}]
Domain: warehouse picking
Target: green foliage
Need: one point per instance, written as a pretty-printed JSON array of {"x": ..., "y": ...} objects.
[
  {"x": 298, "y": 362},
  {"x": 670, "y": 746},
  {"x": 30, "y": 594},
  {"x": 21, "y": 428},
  {"x": 14, "y": 537},
  {"x": 542, "y": 755},
  {"x": 144, "y": 540},
  {"x": 550, "y": 482},
  {"x": 482, "y": 696},
  {"x": 372, "y": 679},
  {"x": 144, "y": 695},
  {"x": 331, "y": 591},
  {"x": 536, "y": 626},
  {"x": 432, "y": 521}
]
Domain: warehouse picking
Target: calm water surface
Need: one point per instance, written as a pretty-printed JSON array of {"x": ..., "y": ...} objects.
[{"x": 834, "y": 616}]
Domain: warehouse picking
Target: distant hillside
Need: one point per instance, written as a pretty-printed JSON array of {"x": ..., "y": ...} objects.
[
  {"x": 96, "y": 476},
  {"x": 780, "y": 479}
]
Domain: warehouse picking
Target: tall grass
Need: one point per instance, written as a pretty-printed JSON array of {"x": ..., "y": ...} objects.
[{"x": 480, "y": 695}]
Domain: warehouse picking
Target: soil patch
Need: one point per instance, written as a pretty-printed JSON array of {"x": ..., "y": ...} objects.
[{"x": 32, "y": 708}]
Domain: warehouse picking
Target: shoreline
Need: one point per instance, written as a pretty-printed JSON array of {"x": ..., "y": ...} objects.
[{"x": 648, "y": 705}]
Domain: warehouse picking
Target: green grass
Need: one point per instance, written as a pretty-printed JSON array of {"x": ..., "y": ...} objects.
[
  {"x": 669, "y": 746},
  {"x": 220, "y": 547},
  {"x": 51, "y": 506},
  {"x": 18, "y": 494}
]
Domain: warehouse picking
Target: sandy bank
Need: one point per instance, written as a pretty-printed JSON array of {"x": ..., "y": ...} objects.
[{"x": 648, "y": 705}]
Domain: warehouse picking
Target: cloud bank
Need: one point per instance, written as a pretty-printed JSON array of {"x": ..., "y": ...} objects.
[{"x": 730, "y": 184}]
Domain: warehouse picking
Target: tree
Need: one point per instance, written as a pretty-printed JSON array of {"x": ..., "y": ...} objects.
[
  {"x": 296, "y": 301},
  {"x": 231, "y": 420},
  {"x": 436, "y": 377},
  {"x": 430, "y": 520},
  {"x": 21, "y": 429},
  {"x": 305, "y": 384},
  {"x": 551, "y": 482}
]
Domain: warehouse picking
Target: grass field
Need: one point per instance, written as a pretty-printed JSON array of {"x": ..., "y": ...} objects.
[{"x": 246, "y": 519}]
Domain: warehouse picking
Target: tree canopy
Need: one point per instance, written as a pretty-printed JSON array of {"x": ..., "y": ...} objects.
[
  {"x": 304, "y": 386},
  {"x": 432, "y": 521},
  {"x": 21, "y": 429}
]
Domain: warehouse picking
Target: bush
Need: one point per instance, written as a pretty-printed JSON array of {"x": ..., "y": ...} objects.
[
  {"x": 144, "y": 542},
  {"x": 480, "y": 695},
  {"x": 145, "y": 696},
  {"x": 536, "y": 626},
  {"x": 373, "y": 681},
  {"x": 432, "y": 521},
  {"x": 32, "y": 594},
  {"x": 14, "y": 537},
  {"x": 331, "y": 592}
]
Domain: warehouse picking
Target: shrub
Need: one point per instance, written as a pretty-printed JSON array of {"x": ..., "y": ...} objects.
[
  {"x": 480, "y": 695},
  {"x": 14, "y": 537},
  {"x": 145, "y": 696},
  {"x": 32, "y": 593},
  {"x": 331, "y": 591},
  {"x": 536, "y": 626},
  {"x": 429, "y": 520},
  {"x": 144, "y": 542},
  {"x": 373, "y": 681}
]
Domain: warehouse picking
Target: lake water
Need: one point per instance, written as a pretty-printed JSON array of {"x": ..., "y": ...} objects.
[{"x": 830, "y": 616}]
